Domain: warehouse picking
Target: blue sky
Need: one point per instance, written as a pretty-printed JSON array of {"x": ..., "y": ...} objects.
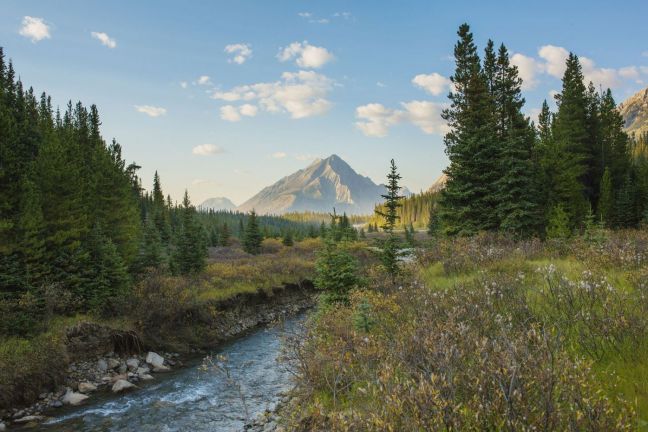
[{"x": 300, "y": 79}]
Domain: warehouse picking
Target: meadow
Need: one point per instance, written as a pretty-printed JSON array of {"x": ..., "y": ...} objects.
[{"x": 486, "y": 333}]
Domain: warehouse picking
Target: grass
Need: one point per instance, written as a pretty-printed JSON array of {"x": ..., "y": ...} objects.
[{"x": 563, "y": 322}]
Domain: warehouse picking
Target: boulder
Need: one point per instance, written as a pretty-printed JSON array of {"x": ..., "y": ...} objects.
[
  {"x": 154, "y": 359},
  {"x": 87, "y": 387},
  {"x": 73, "y": 398},
  {"x": 116, "y": 378},
  {"x": 102, "y": 365},
  {"x": 132, "y": 364},
  {"x": 161, "y": 368},
  {"x": 3, "y": 427},
  {"x": 121, "y": 385},
  {"x": 145, "y": 377}
]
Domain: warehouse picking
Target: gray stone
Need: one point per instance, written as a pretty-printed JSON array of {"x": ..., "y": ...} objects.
[
  {"x": 3, "y": 427},
  {"x": 56, "y": 404},
  {"x": 121, "y": 385},
  {"x": 72, "y": 398},
  {"x": 113, "y": 363},
  {"x": 132, "y": 364},
  {"x": 29, "y": 418},
  {"x": 143, "y": 370},
  {"x": 161, "y": 369},
  {"x": 154, "y": 359},
  {"x": 87, "y": 387},
  {"x": 102, "y": 365},
  {"x": 146, "y": 377}
]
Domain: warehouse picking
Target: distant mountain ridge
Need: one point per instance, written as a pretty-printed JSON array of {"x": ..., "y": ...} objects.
[
  {"x": 635, "y": 113},
  {"x": 217, "y": 203},
  {"x": 323, "y": 185}
]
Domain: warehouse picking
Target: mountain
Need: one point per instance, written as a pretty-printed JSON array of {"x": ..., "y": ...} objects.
[
  {"x": 439, "y": 183},
  {"x": 635, "y": 112},
  {"x": 323, "y": 185},
  {"x": 218, "y": 203}
]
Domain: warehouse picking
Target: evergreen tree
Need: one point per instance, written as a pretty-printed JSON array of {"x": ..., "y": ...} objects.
[
  {"x": 468, "y": 200},
  {"x": 336, "y": 272},
  {"x": 190, "y": 245},
  {"x": 287, "y": 239},
  {"x": 225, "y": 236},
  {"x": 558, "y": 224},
  {"x": 252, "y": 237},
  {"x": 391, "y": 247},
  {"x": 606, "y": 200},
  {"x": 151, "y": 253},
  {"x": 434, "y": 223}
]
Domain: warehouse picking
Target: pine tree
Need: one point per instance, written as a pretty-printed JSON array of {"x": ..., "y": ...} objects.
[
  {"x": 190, "y": 245},
  {"x": 558, "y": 224},
  {"x": 606, "y": 199},
  {"x": 571, "y": 140},
  {"x": 336, "y": 272},
  {"x": 151, "y": 253},
  {"x": 225, "y": 236},
  {"x": 252, "y": 237},
  {"x": 391, "y": 247},
  {"x": 434, "y": 223},
  {"x": 468, "y": 200},
  {"x": 287, "y": 239},
  {"x": 517, "y": 187}
]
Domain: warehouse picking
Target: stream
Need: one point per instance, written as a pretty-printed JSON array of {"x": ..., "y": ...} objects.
[{"x": 192, "y": 399}]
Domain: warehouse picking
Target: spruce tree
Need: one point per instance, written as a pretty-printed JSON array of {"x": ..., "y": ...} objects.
[
  {"x": 252, "y": 236},
  {"x": 468, "y": 201},
  {"x": 606, "y": 199},
  {"x": 190, "y": 244},
  {"x": 225, "y": 236},
  {"x": 391, "y": 247}
]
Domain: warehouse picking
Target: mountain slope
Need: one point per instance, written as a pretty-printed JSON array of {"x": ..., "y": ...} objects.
[
  {"x": 635, "y": 113},
  {"x": 323, "y": 185},
  {"x": 218, "y": 203}
]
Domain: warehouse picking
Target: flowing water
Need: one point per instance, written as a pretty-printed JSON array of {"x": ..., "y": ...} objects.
[{"x": 192, "y": 399}]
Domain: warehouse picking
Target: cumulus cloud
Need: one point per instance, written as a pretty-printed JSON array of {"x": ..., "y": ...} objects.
[
  {"x": 305, "y": 55},
  {"x": 375, "y": 119},
  {"x": 104, "y": 39},
  {"x": 233, "y": 113},
  {"x": 279, "y": 155},
  {"x": 203, "y": 80},
  {"x": 433, "y": 83},
  {"x": 150, "y": 110},
  {"x": 528, "y": 67},
  {"x": 240, "y": 51},
  {"x": 301, "y": 94},
  {"x": 35, "y": 29},
  {"x": 555, "y": 58},
  {"x": 206, "y": 150}
]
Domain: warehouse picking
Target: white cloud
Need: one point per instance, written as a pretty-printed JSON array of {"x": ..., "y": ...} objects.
[
  {"x": 248, "y": 110},
  {"x": 629, "y": 72},
  {"x": 345, "y": 15},
  {"x": 301, "y": 94},
  {"x": 433, "y": 83},
  {"x": 183, "y": 84},
  {"x": 203, "y": 80},
  {"x": 376, "y": 119},
  {"x": 279, "y": 155},
  {"x": 230, "y": 113},
  {"x": 241, "y": 52},
  {"x": 206, "y": 150},
  {"x": 104, "y": 39},
  {"x": 305, "y": 14},
  {"x": 151, "y": 111},
  {"x": 527, "y": 69},
  {"x": 35, "y": 29},
  {"x": 305, "y": 55},
  {"x": 381, "y": 84},
  {"x": 555, "y": 58}
]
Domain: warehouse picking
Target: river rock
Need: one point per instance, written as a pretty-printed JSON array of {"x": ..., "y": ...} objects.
[
  {"x": 29, "y": 419},
  {"x": 119, "y": 377},
  {"x": 87, "y": 387},
  {"x": 3, "y": 427},
  {"x": 72, "y": 398},
  {"x": 113, "y": 363},
  {"x": 121, "y": 385},
  {"x": 145, "y": 377},
  {"x": 161, "y": 368},
  {"x": 102, "y": 365},
  {"x": 143, "y": 370},
  {"x": 55, "y": 404},
  {"x": 154, "y": 359},
  {"x": 132, "y": 364}
]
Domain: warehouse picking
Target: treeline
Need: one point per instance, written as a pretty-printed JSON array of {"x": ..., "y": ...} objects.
[
  {"x": 415, "y": 211},
  {"x": 510, "y": 175},
  {"x": 319, "y": 217},
  {"x": 77, "y": 229}
]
